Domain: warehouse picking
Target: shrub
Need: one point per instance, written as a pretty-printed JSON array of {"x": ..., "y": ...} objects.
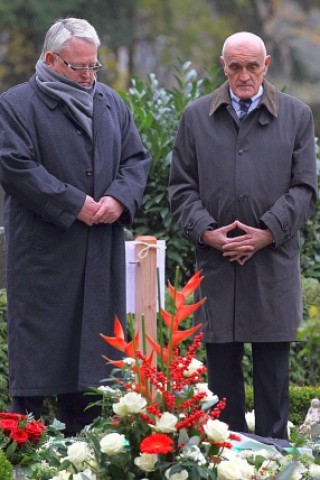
[
  {"x": 300, "y": 399},
  {"x": 157, "y": 112},
  {"x": 310, "y": 239},
  {"x": 305, "y": 360},
  {"x": 6, "y": 469}
]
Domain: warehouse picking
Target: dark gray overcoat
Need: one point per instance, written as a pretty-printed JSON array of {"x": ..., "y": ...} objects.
[
  {"x": 66, "y": 281},
  {"x": 263, "y": 173}
]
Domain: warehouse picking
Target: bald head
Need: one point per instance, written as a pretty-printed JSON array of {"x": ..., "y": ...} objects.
[
  {"x": 245, "y": 63},
  {"x": 242, "y": 41}
]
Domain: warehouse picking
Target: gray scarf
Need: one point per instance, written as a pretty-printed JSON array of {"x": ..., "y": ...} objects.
[{"x": 78, "y": 100}]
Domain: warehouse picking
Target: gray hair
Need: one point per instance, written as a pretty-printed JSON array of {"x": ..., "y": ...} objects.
[{"x": 65, "y": 29}]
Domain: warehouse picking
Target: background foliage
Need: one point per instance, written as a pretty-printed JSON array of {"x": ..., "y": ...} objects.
[{"x": 157, "y": 112}]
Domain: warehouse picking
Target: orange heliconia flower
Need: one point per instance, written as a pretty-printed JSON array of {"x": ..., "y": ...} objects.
[
  {"x": 192, "y": 284},
  {"x": 177, "y": 337},
  {"x": 118, "y": 340},
  {"x": 183, "y": 312}
]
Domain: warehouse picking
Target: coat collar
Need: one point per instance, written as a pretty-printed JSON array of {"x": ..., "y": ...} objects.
[{"x": 270, "y": 98}]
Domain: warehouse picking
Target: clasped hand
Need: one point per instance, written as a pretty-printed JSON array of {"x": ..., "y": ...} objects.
[
  {"x": 106, "y": 210},
  {"x": 242, "y": 247}
]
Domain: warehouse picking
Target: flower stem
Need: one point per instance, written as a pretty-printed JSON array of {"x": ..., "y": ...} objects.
[{"x": 161, "y": 342}]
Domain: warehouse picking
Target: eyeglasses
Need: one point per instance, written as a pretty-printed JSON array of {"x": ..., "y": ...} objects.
[{"x": 75, "y": 68}]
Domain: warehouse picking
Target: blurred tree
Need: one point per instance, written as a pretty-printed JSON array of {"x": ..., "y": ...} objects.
[
  {"x": 23, "y": 23},
  {"x": 137, "y": 35},
  {"x": 18, "y": 62}
]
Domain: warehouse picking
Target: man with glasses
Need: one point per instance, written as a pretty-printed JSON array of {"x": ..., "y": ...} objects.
[{"x": 73, "y": 169}]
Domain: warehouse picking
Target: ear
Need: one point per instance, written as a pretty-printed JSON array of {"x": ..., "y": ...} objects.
[
  {"x": 223, "y": 64},
  {"x": 267, "y": 62},
  {"x": 50, "y": 59}
]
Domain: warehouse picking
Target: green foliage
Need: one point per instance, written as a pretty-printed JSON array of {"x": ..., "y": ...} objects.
[
  {"x": 157, "y": 112},
  {"x": 6, "y": 469},
  {"x": 306, "y": 369},
  {"x": 310, "y": 242}
]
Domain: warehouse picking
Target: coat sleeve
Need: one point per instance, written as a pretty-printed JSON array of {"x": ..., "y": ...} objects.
[
  {"x": 23, "y": 177},
  {"x": 184, "y": 190},
  {"x": 130, "y": 181},
  {"x": 290, "y": 212}
]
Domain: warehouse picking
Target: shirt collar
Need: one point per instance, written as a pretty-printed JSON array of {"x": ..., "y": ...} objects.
[{"x": 255, "y": 99}]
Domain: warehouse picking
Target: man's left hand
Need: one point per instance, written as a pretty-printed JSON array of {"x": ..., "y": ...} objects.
[
  {"x": 242, "y": 248},
  {"x": 110, "y": 210}
]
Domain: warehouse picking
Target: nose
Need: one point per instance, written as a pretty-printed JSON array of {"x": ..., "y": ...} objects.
[
  {"x": 244, "y": 75},
  {"x": 85, "y": 73}
]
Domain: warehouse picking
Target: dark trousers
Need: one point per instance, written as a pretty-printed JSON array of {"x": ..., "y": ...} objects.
[
  {"x": 270, "y": 383},
  {"x": 70, "y": 409}
]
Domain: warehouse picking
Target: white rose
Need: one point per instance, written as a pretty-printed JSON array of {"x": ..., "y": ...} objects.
[
  {"x": 314, "y": 471},
  {"x": 112, "y": 443},
  {"x": 193, "y": 367},
  {"x": 146, "y": 461},
  {"x": 228, "y": 471},
  {"x": 182, "y": 475},
  {"x": 247, "y": 470},
  {"x": 203, "y": 388},
  {"x": 62, "y": 475},
  {"x": 251, "y": 421},
  {"x": 120, "y": 408},
  {"x": 78, "y": 453},
  {"x": 166, "y": 423},
  {"x": 216, "y": 430},
  {"x": 269, "y": 465},
  {"x": 132, "y": 402},
  {"x": 88, "y": 475}
]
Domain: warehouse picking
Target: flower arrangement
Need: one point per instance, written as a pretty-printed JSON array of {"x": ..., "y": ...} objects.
[
  {"x": 161, "y": 423},
  {"x": 156, "y": 423},
  {"x": 20, "y": 436}
]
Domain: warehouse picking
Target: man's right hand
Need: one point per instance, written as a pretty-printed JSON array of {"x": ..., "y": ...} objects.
[
  {"x": 88, "y": 210},
  {"x": 241, "y": 249},
  {"x": 218, "y": 238}
]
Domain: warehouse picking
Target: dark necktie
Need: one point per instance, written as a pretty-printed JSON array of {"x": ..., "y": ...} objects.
[{"x": 244, "y": 107}]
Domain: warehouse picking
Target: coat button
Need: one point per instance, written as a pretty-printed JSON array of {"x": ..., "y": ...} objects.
[
  {"x": 240, "y": 152},
  {"x": 89, "y": 173}
]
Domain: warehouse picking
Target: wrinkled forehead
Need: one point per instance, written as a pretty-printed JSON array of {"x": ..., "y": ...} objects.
[{"x": 244, "y": 51}]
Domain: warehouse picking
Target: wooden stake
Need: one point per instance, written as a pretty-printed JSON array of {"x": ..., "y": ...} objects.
[{"x": 146, "y": 288}]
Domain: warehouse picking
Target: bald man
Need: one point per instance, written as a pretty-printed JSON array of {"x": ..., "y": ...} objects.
[{"x": 242, "y": 184}]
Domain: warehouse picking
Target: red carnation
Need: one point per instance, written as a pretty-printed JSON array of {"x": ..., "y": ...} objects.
[
  {"x": 19, "y": 436},
  {"x": 34, "y": 430},
  {"x": 157, "y": 443},
  {"x": 8, "y": 425},
  {"x": 12, "y": 416}
]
